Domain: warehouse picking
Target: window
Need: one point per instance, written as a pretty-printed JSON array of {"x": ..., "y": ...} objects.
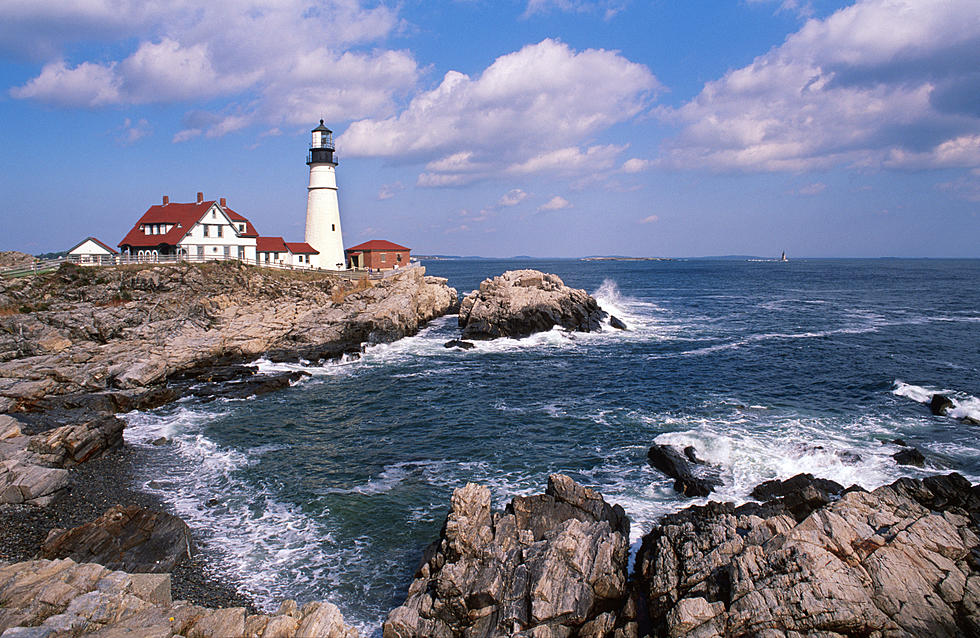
[
  {"x": 241, "y": 228},
  {"x": 200, "y": 251},
  {"x": 384, "y": 257},
  {"x": 398, "y": 256},
  {"x": 227, "y": 250},
  {"x": 333, "y": 226},
  {"x": 219, "y": 230},
  {"x": 207, "y": 230}
]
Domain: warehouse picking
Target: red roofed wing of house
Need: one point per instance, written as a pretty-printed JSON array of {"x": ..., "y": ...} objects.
[
  {"x": 235, "y": 217},
  {"x": 270, "y": 245},
  {"x": 301, "y": 248}
]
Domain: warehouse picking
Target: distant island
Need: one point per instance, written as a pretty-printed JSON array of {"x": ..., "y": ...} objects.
[{"x": 626, "y": 259}]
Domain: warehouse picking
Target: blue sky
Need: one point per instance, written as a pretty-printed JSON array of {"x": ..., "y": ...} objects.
[{"x": 538, "y": 127}]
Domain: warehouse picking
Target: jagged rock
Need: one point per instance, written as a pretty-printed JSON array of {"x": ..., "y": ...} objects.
[
  {"x": 132, "y": 539},
  {"x": 893, "y": 562},
  {"x": 910, "y": 456},
  {"x": 549, "y": 565},
  {"x": 55, "y": 599},
  {"x": 616, "y": 323},
  {"x": 459, "y": 343},
  {"x": 686, "y": 480},
  {"x": 940, "y": 404},
  {"x": 73, "y": 444},
  {"x": 521, "y": 302}
]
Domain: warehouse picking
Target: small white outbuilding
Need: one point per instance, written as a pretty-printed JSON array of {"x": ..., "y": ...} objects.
[{"x": 92, "y": 252}]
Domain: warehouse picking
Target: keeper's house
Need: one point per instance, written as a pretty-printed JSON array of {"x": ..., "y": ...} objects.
[
  {"x": 198, "y": 231},
  {"x": 378, "y": 254}
]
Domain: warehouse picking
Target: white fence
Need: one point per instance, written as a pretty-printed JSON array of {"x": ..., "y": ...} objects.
[{"x": 39, "y": 267}]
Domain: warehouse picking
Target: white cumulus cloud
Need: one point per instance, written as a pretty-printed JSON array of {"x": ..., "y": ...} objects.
[
  {"x": 274, "y": 62},
  {"x": 530, "y": 110},
  {"x": 512, "y": 197},
  {"x": 879, "y": 82}
]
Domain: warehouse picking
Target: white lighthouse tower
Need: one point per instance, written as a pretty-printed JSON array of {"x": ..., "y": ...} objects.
[{"x": 322, "y": 208}]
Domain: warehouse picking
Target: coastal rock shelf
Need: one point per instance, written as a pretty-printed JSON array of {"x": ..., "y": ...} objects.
[
  {"x": 64, "y": 598},
  {"x": 519, "y": 303},
  {"x": 549, "y": 566},
  {"x": 86, "y": 330}
]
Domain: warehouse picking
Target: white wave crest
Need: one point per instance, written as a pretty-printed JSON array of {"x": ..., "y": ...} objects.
[{"x": 964, "y": 405}]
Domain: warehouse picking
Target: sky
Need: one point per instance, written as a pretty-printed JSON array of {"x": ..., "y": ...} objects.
[{"x": 550, "y": 128}]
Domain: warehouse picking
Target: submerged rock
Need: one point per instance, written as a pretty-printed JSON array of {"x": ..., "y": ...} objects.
[
  {"x": 519, "y": 303},
  {"x": 132, "y": 539},
  {"x": 893, "y": 562},
  {"x": 549, "y": 566},
  {"x": 687, "y": 480}
]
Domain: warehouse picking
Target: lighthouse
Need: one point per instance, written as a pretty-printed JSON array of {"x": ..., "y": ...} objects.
[{"x": 322, "y": 208}]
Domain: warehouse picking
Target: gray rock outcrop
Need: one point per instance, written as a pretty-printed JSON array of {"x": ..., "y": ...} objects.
[
  {"x": 898, "y": 561},
  {"x": 549, "y": 566},
  {"x": 61, "y": 598},
  {"x": 131, "y": 539},
  {"x": 521, "y": 302}
]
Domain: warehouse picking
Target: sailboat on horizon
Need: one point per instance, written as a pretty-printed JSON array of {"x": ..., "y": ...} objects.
[{"x": 783, "y": 258}]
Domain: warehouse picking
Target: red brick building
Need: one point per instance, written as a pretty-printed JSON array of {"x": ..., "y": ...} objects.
[{"x": 378, "y": 254}]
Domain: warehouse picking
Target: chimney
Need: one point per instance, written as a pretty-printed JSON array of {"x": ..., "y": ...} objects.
[
  {"x": 200, "y": 197},
  {"x": 224, "y": 202},
  {"x": 166, "y": 200}
]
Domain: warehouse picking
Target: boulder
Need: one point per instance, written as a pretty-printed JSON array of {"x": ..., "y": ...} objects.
[
  {"x": 898, "y": 561},
  {"x": 910, "y": 456},
  {"x": 687, "y": 480},
  {"x": 551, "y": 565},
  {"x": 132, "y": 539},
  {"x": 519, "y": 303},
  {"x": 616, "y": 323},
  {"x": 940, "y": 404},
  {"x": 459, "y": 343}
]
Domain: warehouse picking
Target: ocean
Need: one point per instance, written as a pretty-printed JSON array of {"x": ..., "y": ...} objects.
[{"x": 329, "y": 490}]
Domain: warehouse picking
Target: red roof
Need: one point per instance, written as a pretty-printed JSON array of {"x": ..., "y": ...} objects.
[
  {"x": 377, "y": 244},
  {"x": 183, "y": 217},
  {"x": 301, "y": 248},
  {"x": 111, "y": 250},
  {"x": 270, "y": 245}
]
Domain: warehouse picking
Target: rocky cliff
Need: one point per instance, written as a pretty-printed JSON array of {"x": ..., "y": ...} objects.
[{"x": 83, "y": 330}]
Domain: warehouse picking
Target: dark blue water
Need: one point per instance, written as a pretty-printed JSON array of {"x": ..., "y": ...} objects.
[{"x": 330, "y": 489}]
